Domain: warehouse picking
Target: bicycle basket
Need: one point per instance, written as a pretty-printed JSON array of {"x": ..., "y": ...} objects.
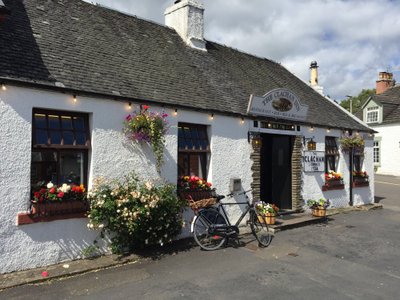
[{"x": 196, "y": 205}]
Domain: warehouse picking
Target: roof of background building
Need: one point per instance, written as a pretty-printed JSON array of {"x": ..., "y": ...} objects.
[
  {"x": 390, "y": 101},
  {"x": 94, "y": 49}
]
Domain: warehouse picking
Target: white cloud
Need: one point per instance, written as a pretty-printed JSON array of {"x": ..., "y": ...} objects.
[{"x": 351, "y": 40}]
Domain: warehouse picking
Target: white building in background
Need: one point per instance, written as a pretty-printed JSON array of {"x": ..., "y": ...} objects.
[
  {"x": 67, "y": 89},
  {"x": 382, "y": 113}
]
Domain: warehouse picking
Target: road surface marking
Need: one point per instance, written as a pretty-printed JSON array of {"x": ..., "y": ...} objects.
[{"x": 384, "y": 182}]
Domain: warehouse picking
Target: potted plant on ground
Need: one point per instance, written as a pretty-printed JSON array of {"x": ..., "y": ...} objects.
[
  {"x": 266, "y": 212},
  {"x": 318, "y": 207}
]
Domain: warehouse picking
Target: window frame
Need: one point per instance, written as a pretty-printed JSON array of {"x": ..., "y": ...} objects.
[
  {"x": 333, "y": 150},
  {"x": 376, "y": 148},
  {"x": 60, "y": 148},
  {"x": 372, "y": 111},
  {"x": 203, "y": 153}
]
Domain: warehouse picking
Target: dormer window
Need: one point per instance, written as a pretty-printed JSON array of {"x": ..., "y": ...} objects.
[{"x": 372, "y": 114}]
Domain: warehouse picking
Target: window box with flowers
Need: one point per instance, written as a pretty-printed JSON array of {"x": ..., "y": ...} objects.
[
  {"x": 194, "y": 188},
  {"x": 53, "y": 202},
  {"x": 360, "y": 179},
  {"x": 148, "y": 127},
  {"x": 333, "y": 181}
]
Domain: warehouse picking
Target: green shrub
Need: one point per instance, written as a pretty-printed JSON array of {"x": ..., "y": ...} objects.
[{"x": 135, "y": 214}]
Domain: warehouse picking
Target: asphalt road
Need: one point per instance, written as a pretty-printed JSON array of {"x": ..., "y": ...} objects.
[{"x": 353, "y": 256}]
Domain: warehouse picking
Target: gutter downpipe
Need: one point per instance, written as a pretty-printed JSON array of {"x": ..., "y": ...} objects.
[{"x": 351, "y": 175}]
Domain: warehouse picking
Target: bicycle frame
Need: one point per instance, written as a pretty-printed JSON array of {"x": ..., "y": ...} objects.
[{"x": 221, "y": 208}]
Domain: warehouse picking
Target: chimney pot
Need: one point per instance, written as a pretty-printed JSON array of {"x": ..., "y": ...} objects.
[{"x": 384, "y": 82}]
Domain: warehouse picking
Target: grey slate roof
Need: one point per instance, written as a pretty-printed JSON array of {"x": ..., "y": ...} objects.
[
  {"x": 95, "y": 49},
  {"x": 390, "y": 102}
]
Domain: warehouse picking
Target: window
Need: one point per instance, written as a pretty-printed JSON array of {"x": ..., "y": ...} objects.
[
  {"x": 372, "y": 114},
  {"x": 193, "y": 150},
  {"x": 331, "y": 154},
  {"x": 358, "y": 162},
  {"x": 377, "y": 150},
  {"x": 60, "y": 144}
]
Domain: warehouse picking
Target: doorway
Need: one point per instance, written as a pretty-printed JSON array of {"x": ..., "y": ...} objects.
[{"x": 276, "y": 170}]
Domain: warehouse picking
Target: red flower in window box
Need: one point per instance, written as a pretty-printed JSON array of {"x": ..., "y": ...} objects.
[{"x": 193, "y": 183}]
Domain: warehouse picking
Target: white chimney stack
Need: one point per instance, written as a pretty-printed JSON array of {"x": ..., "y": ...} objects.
[{"x": 186, "y": 17}]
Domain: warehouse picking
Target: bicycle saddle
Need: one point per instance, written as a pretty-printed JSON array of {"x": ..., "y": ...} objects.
[{"x": 220, "y": 197}]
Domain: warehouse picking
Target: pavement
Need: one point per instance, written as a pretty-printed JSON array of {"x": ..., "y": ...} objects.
[{"x": 83, "y": 266}]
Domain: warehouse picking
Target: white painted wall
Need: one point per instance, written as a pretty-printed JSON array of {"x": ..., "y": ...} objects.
[
  {"x": 390, "y": 149},
  {"x": 312, "y": 182},
  {"x": 28, "y": 246}
]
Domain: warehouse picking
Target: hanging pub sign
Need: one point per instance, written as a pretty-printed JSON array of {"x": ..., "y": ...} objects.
[
  {"x": 278, "y": 103},
  {"x": 314, "y": 161}
]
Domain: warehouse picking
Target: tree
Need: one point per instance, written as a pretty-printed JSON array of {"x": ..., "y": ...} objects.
[{"x": 358, "y": 100}]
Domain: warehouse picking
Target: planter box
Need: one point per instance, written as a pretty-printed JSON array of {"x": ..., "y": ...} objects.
[
  {"x": 58, "y": 208},
  {"x": 333, "y": 185},
  {"x": 47, "y": 212},
  {"x": 360, "y": 181},
  {"x": 196, "y": 195}
]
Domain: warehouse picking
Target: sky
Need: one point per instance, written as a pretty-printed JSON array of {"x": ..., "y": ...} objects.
[{"x": 352, "y": 40}]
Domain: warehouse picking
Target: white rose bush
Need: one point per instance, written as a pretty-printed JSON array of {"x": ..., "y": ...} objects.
[{"x": 135, "y": 214}]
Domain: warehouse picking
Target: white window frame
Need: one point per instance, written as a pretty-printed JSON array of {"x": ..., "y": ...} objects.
[
  {"x": 372, "y": 114},
  {"x": 377, "y": 153}
]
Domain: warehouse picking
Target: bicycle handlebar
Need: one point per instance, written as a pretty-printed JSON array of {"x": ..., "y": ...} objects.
[{"x": 237, "y": 194}]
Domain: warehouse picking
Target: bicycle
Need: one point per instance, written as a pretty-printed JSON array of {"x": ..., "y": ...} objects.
[{"x": 211, "y": 227}]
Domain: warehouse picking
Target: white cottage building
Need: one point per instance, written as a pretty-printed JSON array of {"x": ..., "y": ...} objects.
[
  {"x": 71, "y": 71},
  {"x": 382, "y": 113}
]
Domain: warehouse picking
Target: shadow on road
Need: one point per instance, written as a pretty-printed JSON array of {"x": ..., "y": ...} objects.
[{"x": 378, "y": 199}]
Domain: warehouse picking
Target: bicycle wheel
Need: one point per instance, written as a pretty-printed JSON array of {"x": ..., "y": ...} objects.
[
  {"x": 202, "y": 229},
  {"x": 260, "y": 230}
]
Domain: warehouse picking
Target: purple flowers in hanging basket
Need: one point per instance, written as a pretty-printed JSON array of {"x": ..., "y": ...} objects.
[
  {"x": 145, "y": 126},
  {"x": 141, "y": 137},
  {"x": 149, "y": 127}
]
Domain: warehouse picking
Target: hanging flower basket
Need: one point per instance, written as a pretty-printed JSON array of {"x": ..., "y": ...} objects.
[
  {"x": 352, "y": 142},
  {"x": 148, "y": 127}
]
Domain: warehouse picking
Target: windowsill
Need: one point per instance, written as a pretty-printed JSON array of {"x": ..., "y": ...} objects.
[
  {"x": 333, "y": 185},
  {"x": 47, "y": 212},
  {"x": 28, "y": 218}
]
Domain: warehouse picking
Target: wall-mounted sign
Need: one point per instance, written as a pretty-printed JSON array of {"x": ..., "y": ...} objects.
[
  {"x": 314, "y": 161},
  {"x": 278, "y": 103}
]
